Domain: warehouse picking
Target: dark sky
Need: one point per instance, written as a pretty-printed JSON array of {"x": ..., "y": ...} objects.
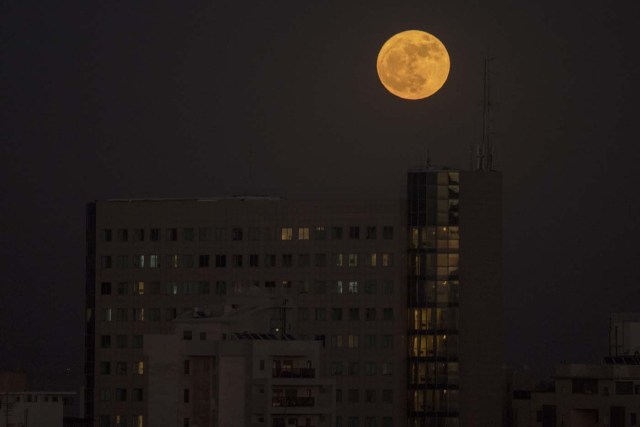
[{"x": 150, "y": 99}]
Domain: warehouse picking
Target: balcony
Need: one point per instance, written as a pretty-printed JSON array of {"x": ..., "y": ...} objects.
[
  {"x": 303, "y": 402},
  {"x": 294, "y": 373}
]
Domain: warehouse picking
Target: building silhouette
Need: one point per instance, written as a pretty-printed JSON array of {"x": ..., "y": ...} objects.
[{"x": 404, "y": 295}]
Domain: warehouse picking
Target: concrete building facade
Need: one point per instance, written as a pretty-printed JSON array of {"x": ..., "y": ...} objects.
[
  {"x": 402, "y": 340},
  {"x": 227, "y": 369}
]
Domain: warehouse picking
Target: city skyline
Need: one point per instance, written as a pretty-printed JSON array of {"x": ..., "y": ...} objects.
[{"x": 123, "y": 101}]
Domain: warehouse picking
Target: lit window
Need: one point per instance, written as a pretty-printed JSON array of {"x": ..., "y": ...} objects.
[
  {"x": 353, "y": 341},
  {"x": 372, "y": 260},
  {"x": 353, "y": 260},
  {"x": 387, "y": 260},
  {"x": 138, "y": 288},
  {"x": 339, "y": 289},
  {"x": 106, "y": 315},
  {"x": 287, "y": 233},
  {"x": 303, "y": 233},
  {"x": 154, "y": 261},
  {"x": 338, "y": 260},
  {"x": 138, "y": 261},
  {"x": 138, "y": 314},
  {"x": 353, "y": 287}
]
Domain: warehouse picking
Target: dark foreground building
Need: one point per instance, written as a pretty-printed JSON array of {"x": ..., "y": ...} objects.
[{"x": 405, "y": 295}]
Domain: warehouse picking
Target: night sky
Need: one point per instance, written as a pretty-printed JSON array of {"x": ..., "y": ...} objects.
[{"x": 123, "y": 99}]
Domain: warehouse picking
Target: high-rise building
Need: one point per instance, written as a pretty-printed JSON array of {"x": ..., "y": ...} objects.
[{"x": 405, "y": 295}]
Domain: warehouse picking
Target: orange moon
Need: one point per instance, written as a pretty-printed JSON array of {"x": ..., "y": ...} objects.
[{"x": 413, "y": 64}]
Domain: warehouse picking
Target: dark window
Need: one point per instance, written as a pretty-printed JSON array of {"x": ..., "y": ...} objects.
[
  {"x": 371, "y": 233},
  {"x": 155, "y": 234},
  {"x": 203, "y": 261},
  {"x": 633, "y": 418},
  {"x": 121, "y": 394},
  {"x": 105, "y": 288},
  {"x": 105, "y": 341},
  {"x": 254, "y": 260},
  {"x": 123, "y": 235},
  {"x": 237, "y": 260},
  {"x": 172, "y": 234},
  {"x": 105, "y": 368},
  {"x": 387, "y": 233},
  {"x": 106, "y": 235},
  {"x": 287, "y": 260},
  {"x": 188, "y": 234},
  {"x": 203, "y": 336},
  {"x": 221, "y": 260},
  {"x": 138, "y": 234},
  {"x": 187, "y": 335},
  {"x": 187, "y": 367},
  {"x": 137, "y": 341},
  {"x": 624, "y": 387},
  {"x": 186, "y": 395},
  {"x": 584, "y": 386},
  {"x": 354, "y": 232},
  {"x": 336, "y": 233},
  {"x": 236, "y": 234}
]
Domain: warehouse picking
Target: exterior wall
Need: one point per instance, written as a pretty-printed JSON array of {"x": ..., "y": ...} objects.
[
  {"x": 584, "y": 396},
  {"x": 455, "y": 299},
  {"x": 624, "y": 334},
  {"x": 33, "y": 409},
  {"x": 482, "y": 384},
  {"x": 306, "y": 285},
  {"x": 232, "y": 390}
]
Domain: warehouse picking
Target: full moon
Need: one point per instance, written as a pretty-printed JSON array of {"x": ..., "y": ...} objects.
[{"x": 413, "y": 64}]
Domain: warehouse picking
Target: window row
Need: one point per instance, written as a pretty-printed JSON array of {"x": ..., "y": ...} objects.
[
  {"x": 205, "y": 234},
  {"x": 249, "y": 260},
  {"x": 120, "y": 395},
  {"x": 121, "y": 367},
  {"x": 354, "y": 287},
  {"x": 120, "y": 421},
  {"x": 353, "y": 368},
  {"x": 368, "y": 341},
  {"x": 121, "y": 341},
  {"x": 354, "y": 395},
  {"x": 352, "y": 314},
  {"x": 354, "y": 421}
]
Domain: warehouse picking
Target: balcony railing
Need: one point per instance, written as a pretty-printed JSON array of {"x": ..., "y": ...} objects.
[
  {"x": 293, "y": 401},
  {"x": 294, "y": 373}
]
